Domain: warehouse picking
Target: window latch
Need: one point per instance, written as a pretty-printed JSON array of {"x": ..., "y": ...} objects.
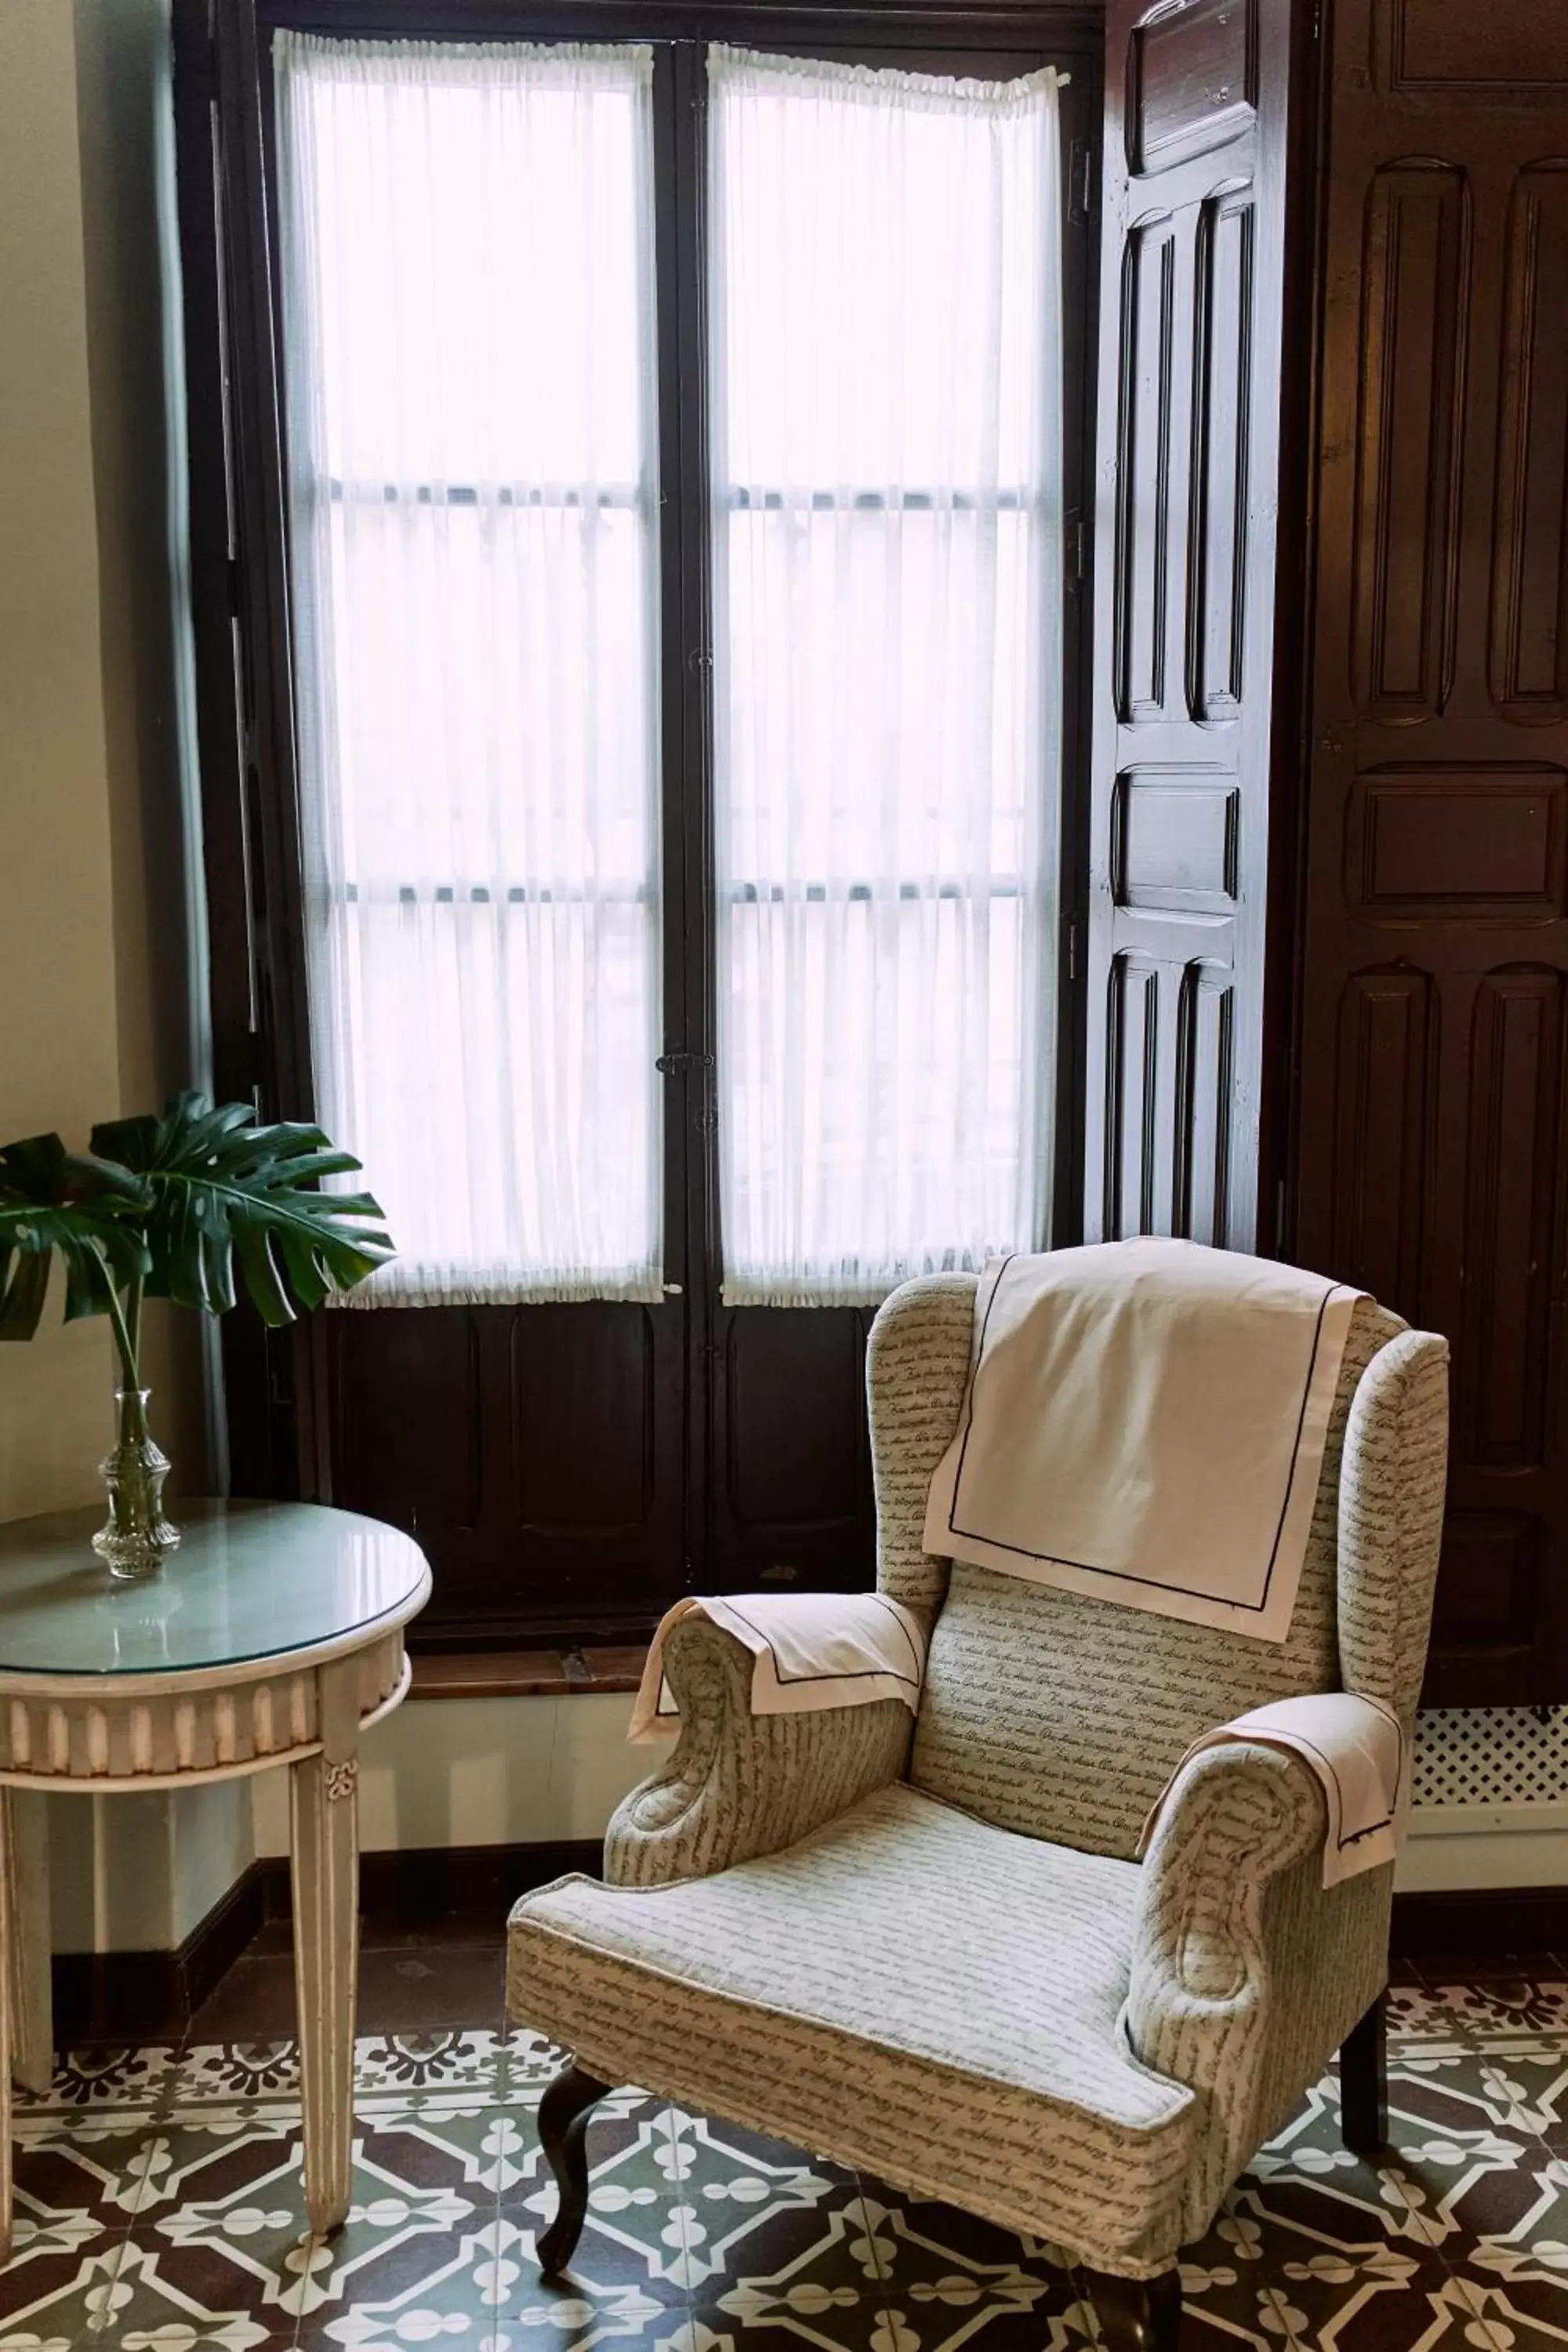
[{"x": 670, "y": 1065}]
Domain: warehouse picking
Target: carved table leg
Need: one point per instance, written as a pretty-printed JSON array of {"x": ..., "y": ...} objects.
[
  {"x": 7, "y": 2012},
  {"x": 324, "y": 1794},
  {"x": 33, "y": 2030}
]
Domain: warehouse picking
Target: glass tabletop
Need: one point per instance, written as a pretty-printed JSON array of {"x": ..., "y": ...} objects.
[{"x": 249, "y": 1581}]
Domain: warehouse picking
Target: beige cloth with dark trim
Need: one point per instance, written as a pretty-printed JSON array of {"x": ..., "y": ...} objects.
[
  {"x": 1145, "y": 1423},
  {"x": 1357, "y": 1748},
  {"x": 813, "y": 1650}
]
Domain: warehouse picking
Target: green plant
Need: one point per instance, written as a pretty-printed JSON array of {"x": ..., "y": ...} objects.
[{"x": 162, "y": 1206}]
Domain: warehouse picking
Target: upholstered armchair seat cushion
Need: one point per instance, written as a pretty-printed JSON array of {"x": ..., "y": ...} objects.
[{"x": 907, "y": 1989}]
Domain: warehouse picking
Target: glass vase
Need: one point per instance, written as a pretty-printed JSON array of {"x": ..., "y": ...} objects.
[{"x": 136, "y": 1536}]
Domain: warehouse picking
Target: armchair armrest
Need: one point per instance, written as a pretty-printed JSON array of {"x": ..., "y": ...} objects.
[
  {"x": 1246, "y": 1972},
  {"x": 739, "y": 1785}
]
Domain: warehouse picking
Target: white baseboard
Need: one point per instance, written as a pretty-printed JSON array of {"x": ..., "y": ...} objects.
[{"x": 1450, "y": 1847}]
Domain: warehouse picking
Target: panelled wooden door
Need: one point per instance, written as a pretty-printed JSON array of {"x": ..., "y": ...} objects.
[
  {"x": 1435, "y": 986},
  {"x": 1197, "y": 97}
]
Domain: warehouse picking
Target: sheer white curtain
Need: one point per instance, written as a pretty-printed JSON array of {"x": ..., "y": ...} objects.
[
  {"x": 887, "y": 564},
  {"x": 468, "y": 350}
]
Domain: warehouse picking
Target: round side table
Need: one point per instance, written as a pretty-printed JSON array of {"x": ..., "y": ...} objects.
[{"x": 273, "y": 1635}]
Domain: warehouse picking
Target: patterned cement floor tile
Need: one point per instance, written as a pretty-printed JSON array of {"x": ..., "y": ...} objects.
[
  {"x": 632, "y": 2237},
  {"x": 225, "y": 2071},
  {"x": 465, "y": 2059},
  {"x": 791, "y": 2318},
  {"x": 229, "y": 2231},
  {"x": 1507, "y": 2004},
  {"x": 1501, "y": 2319},
  {"x": 1417, "y": 2013},
  {"x": 145, "y": 2309},
  {"x": 581, "y": 2310},
  {"x": 948, "y": 2279},
  {"x": 528, "y": 2060},
  {"x": 1524, "y": 2081},
  {"x": 79, "y": 2177},
  {"x": 374, "y": 2287},
  {"x": 56, "y": 2294},
  {"x": 109, "y": 2076},
  {"x": 470, "y": 2057},
  {"x": 747, "y": 2208},
  {"x": 159, "y": 2209}
]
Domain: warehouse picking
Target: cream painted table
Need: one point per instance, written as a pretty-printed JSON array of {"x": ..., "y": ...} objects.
[{"x": 273, "y": 1635}]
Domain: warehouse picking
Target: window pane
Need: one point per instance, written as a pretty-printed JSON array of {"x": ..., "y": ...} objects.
[
  {"x": 468, "y": 355},
  {"x": 887, "y": 564}
]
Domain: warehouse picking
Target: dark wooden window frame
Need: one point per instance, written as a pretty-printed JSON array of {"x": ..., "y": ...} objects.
[{"x": 278, "y": 1387}]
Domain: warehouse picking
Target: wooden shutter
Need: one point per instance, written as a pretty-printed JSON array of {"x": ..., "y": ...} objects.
[
  {"x": 1191, "y": 316},
  {"x": 1432, "y": 1161}
]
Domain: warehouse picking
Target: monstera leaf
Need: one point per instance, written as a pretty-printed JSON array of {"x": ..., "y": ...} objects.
[
  {"x": 52, "y": 1199},
  {"x": 219, "y": 1186}
]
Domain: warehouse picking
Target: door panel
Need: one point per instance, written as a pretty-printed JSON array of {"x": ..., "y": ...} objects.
[
  {"x": 1192, "y": 310},
  {"x": 1430, "y": 1148},
  {"x": 1529, "y": 665},
  {"x": 792, "y": 1501},
  {"x": 538, "y": 1446},
  {"x": 1411, "y": 365}
]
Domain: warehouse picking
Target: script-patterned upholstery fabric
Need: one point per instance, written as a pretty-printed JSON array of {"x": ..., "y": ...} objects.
[
  {"x": 1390, "y": 1520},
  {"x": 1245, "y": 1972},
  {"x": 1064, "y": 1715},
  {"x": 739, "y": 1784},
  {"x": 944, "y": 2008},
  {"x": 790, "y": 1895}
]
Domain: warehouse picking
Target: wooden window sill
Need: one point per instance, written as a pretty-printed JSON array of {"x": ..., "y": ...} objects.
[{"x": 527, "y": 1673}]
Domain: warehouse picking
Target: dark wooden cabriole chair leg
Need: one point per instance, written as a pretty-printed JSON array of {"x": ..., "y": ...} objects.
[
  {"x": 1364, "y": 2083},
  {"x": 1138, "y": 2315},
  {"x": 563, "y": 2113}
]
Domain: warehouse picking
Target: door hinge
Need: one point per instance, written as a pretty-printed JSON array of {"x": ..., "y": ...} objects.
[
  {"x": 1076, "y": 548},
  {"x": 1074, "y": 940}
]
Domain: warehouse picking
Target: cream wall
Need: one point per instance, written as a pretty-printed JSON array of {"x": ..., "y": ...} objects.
[
  {"x": 135, "y": 363},
  {"x": 59, "y": 1055},
  {"x": 94, "y": 967},
  {"x": 486, "y": 1772},
  {"x": 94, "y": 960}
]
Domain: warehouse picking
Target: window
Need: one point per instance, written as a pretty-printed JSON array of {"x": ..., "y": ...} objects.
[
  {"x": 887, "y": 565},
  {"x": 645, "y": 466},
  {"x": 469, "y": 360}
]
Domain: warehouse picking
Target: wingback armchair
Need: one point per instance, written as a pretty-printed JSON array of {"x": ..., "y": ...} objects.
[{"x": 927, "y": 1947}]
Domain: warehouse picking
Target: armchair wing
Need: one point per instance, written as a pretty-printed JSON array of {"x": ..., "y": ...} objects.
[{"x": 739, "y": 1785}]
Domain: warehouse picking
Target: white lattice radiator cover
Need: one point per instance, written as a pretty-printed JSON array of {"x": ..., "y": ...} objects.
[{"x": 1490, "y": 1756}]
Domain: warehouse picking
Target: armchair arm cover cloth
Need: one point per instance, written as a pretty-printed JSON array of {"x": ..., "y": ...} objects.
[
  {"x": 812, "y": 1650},
  {"x": 940, "y": 1958},
  {"x": 739, "y": 1784}
]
